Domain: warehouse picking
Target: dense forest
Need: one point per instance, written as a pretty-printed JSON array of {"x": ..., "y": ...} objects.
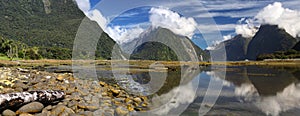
[{"x": 44, "y": 29}]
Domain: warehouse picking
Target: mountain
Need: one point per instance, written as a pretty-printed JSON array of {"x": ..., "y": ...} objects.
[
  {"x": 50, "y": 25},
  {"x": 269, "y": 39},
  {"x": 163, "y": 44},
  {"x": 236, "y": 49},
  {"x": 297, "y": 46}
]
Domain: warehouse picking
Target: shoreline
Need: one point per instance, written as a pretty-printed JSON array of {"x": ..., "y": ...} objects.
[
  {"x": 83, "y": 97},
  {"x": 144, "y": 63}
]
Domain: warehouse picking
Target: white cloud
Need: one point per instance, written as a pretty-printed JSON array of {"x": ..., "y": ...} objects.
[
  {"x": 122, "y": 34},
  {"x": 227, "y": 37},
  {"x": 247, "y": 30},
  {"x": 273, "y": 14},
  {"x": 165, "y": 18},
  {"x": 286, "y": 100},
  {"x": 285, "y": 18},
  {"x": 96, "y": 15},
  {"x": 283, "y": 101},
  {"x": 83, "y": 5}
]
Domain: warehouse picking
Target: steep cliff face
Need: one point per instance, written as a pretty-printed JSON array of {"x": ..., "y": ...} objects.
[
  {"x": 236, "y": 49},
  {"x": 47, "y": 24},
  {"x": 297, "y": 46}
]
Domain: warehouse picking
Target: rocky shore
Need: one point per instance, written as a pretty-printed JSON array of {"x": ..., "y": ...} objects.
[{"x": 81, "y": 97}]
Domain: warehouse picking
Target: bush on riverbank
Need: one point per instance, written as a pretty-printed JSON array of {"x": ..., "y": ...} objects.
[{"x": 290, "y": 54}]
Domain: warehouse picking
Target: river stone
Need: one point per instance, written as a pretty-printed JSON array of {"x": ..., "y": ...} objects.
[
  {"x": 88, "y": 113},
  {"x": 121, "y": 111},
  {"x": 61, "y": 110},
  {"x": 60, "y": 77},
  {"x": 98, "y": 112},
  {"x": 25, "y": 114},
  {"x": 33, "y": 107},
  {"x": 115, "y": 92},
  {"x": 137, "y": 99},
  {"x": 8, "y": 113}
]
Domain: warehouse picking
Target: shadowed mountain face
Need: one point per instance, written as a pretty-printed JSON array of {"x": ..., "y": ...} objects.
[
  {"x": 297, "y": 46},
  {"x": 163, "y": 44},
  {"x": 236, "y": 48},
  {"x": 269, "y": 39}
]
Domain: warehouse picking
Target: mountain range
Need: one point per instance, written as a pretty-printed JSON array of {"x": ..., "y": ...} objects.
[
  {"x": 50, "y": 26},
  {"x": 269, "y": 39}
]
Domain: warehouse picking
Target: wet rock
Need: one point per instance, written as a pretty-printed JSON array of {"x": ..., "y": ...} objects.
[
  {"x": 130, "y": 107},
  {"x": 20, "y": 85},
  {"x": 81, "y": 96},
  {"x": 128, "y": 100},
  {"x": 115, "y": 92},
  {"x": 98, "y": 112},
  {"x": 33, "y": 107},
  {"x": 121, "y": 111},
  {"x": 60, "y": 77},
  {"x": 137, "y": 100},
  {"x": 88, "y": 113},
  {"x": 61, "y": 110},
  {"x": 25, "y": 114},
  {"x": 109, "y": 112},
  {"x": 90, "y": 107},
  {"x": 8, "y": 113}
]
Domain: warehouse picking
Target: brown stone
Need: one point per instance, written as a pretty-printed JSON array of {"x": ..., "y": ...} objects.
[{"x": 33, "y": 107}]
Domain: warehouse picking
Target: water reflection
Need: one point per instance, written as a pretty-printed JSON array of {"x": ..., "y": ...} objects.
[
  {"x": 272, "y": 90},
  {"x": 247, "y": 90}
]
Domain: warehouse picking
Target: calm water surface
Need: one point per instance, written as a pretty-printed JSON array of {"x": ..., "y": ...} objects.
[{"x": 245, "y": 90}]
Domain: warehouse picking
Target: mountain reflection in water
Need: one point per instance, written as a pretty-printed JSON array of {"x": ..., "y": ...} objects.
[{"x": 253, "y": 90}]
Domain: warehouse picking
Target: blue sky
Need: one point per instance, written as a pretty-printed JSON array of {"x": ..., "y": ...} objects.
[{"x": 216, "y": 18}]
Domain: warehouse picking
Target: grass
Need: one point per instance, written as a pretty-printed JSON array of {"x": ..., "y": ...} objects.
[
  {"x": 2, "y": 57},
  {"x": 142, "y": 64}
]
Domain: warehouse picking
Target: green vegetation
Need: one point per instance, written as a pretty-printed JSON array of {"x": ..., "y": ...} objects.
[
  {"x": 155, "y": 51},
  {"x": 34, "y": 32},
  {"x": 10, "y": 49},
  {"x": 37, "y": 30},
  {"x": 289, "y": 54}
]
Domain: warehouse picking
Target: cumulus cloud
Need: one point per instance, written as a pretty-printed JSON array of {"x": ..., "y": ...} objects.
[
  {"x": 227, "y": 37},
  {"x": 215, "y": 43},
  {"x": 248, "y": 29},
  {"x": 285, "y": 18},
  {"x": 273, "y": 14},
  {"x": 160, "y": 17},
  {"x": 122, "y": 34},
  {"x": 286, "y": 100},
  {"x": 95, "y": 15},
  {"x": 83, "y": 5}
]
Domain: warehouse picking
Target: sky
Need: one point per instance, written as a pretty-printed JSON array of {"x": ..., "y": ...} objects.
[{"x": 205, "y": 22}]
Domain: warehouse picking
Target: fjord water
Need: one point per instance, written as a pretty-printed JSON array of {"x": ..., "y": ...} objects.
[
  {"x": 247, "y": 90},
  {"x": 252, "y": 90}
]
